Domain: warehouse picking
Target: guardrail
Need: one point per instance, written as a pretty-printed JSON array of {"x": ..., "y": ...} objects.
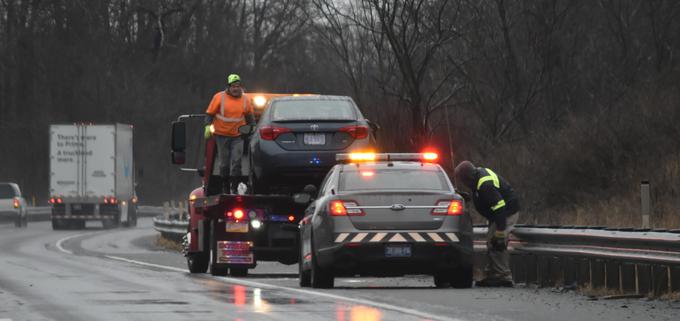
[{"x": 640, "y": 261}]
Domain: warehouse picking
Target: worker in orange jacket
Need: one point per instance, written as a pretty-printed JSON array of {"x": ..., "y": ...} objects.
[{"x": 229, "y": 110}]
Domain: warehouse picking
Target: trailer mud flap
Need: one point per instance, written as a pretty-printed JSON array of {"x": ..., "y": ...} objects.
[{"x": 235, "y": 252}]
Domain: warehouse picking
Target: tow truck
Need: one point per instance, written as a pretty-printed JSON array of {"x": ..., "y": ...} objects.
[{"x": 229, "y": 233}]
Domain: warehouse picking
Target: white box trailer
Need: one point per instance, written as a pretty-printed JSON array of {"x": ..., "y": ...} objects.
[{"x": 92, "y": 175}]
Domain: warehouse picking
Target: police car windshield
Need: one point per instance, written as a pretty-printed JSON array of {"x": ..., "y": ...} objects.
[
  {"x": 392, "y": 179},
  {"x": 302, "y": 110}
]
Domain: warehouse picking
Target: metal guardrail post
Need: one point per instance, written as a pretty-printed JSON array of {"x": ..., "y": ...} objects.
[{"x": 645, "y": 203}]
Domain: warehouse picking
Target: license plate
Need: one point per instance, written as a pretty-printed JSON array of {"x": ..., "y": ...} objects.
[
  {"x": 397, "y": 250},
  {"x": 237, "y": 227},
  {"x": 315, "y": 139}
]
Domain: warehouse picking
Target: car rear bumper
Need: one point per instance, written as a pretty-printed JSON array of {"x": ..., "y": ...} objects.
[
  {"x": 369, "y": 259},
  {"x": 7, "y": 215}
]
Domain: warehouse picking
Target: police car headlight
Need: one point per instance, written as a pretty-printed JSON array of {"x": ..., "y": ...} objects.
[{"x": 256, "y": 224}]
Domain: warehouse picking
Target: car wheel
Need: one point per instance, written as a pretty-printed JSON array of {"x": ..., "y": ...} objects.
[
  {"x": 305, "y": 276},
  {"x": 198, "y": 262},
  {"x": 442, "y": 279},
  {"x": 238, "y": 272},
  {"x": 320, "y": 278},
  {"x": 461, "y": 277}
]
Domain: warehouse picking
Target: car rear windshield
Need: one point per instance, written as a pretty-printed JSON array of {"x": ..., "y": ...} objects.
[
  {"x": 392, "y": 179},
  {"x": 6, "y": 191},
  {"x": 301, "y": 110}
]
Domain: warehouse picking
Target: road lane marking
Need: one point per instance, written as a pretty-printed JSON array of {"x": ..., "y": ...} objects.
[
  {"x": 365, "y": 302},
  {"x": 61, "y": 241}
]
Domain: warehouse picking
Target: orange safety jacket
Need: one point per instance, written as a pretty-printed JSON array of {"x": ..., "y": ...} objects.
[{"x": 229, "y": 113}]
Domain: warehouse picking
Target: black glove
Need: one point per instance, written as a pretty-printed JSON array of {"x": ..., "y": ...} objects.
[{"x": 499, "y": 241}]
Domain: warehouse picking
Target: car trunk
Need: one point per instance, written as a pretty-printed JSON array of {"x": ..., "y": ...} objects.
[
  {"x": 397, "y": 210},
  {"x": 314, "y": 136}
]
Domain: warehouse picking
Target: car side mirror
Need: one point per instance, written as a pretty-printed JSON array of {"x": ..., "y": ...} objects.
[
  {"x": 375, "y": 127},
  {"x": 302, "y": 198},
  {"x": 246, "y": 129},
  {"x": 311, "y": 190}
]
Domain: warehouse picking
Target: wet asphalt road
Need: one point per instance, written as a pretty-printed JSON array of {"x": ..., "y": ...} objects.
[{"x": 122, "y": 275}]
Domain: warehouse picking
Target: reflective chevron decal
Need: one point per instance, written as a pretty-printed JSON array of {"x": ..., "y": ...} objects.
[{"x": 402, "y": 237}]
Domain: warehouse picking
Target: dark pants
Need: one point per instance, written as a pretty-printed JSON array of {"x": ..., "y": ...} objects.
[{"x": 229, "y": 154}]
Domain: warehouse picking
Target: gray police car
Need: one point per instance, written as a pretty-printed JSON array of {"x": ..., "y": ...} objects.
[{"x": 386, "y": 215}]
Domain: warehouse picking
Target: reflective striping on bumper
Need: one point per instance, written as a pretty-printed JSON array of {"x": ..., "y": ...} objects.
[
  {"x": 341, "y": 237},
  {"x": 412, "y": 237}
]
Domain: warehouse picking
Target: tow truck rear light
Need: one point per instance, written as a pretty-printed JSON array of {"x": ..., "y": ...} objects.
[
  {"x": 238, "y": 214},
  {"x": 291, "y": 218},
  {"x": 452, "y": 208},
  {"x": 357, "y": 132},
  {"x": 272, "y": 132},
  {"x": 345, "y": 208},
  {"x": 16, "y": 203}
]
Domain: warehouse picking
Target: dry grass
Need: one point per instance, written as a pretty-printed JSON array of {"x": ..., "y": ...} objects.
[
  {"x": 168, "y": 244},
  {"x": 596, "y": 292},
  {"x": 673, "y": 296}
]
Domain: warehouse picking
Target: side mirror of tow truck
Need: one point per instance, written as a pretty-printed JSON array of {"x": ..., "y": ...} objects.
[{"x": 179, "y": 144}]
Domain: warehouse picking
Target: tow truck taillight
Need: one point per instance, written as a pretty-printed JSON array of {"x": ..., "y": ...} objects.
[
  {"x": 272, "y": 132},
  {"x": 291, "y": 218},
  {"x": 345, "y": 208},
  {"x": 453, "y": 208},
  {"x": 357, "y": 132},
  {"x": 238, "y": 214},
  {"x": 16, "y": 203}
]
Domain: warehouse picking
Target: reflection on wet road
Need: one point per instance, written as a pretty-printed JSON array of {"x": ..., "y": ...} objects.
[{"x": 122, "y": 275}]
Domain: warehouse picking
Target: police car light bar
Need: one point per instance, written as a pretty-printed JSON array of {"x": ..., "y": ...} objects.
[{"x": 386, "y": 157}]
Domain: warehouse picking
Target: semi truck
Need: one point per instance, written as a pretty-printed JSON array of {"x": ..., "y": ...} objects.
[
  {"x": 229, "y": 233},
  {"x": 92, "y": 175}
]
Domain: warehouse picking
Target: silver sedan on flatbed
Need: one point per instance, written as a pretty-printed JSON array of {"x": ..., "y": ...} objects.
[{"x": 386, "y": 215}]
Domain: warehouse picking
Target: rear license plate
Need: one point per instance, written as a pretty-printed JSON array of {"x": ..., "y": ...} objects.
[
  {"x": 237, "y": 227},
  {"x": 314, "y": 139},
  {"x": 403, "y": 250}
]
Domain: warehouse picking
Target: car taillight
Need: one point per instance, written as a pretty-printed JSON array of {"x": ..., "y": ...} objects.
[
  {"x": 345, "y": 208},
  {"x": 454, "y": 207},
  {"x": 272, "y": 132},
  {"x": 16, "y": 203},
  {"x": 59, "y": 200},
  {"x": 357, "y": 132},
  {"x": 52, "y": 200}
]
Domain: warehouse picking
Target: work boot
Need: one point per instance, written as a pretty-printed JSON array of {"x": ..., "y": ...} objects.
[{"x": 494, "y": 282}]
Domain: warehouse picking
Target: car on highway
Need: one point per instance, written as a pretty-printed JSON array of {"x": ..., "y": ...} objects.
[
  {"x": 297, "y": 138},
  {"x": 13, "y": 207},
  {"x": 386, "y": 215}
]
